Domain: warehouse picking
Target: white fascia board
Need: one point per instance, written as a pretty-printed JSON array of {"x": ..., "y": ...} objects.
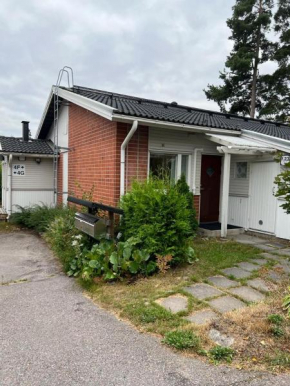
[
  {"x": 244, "y": 150},
  {"x": 88, "y": 104},
  {"x": 278, "y": 143},
  {"x": 28, "y": 155},
  {"x": 174, "y": 126},
  {"x": 44, "y": 113}
]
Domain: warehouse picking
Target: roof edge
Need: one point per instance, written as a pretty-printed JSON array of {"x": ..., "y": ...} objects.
[{"x": 281, "y": 144}]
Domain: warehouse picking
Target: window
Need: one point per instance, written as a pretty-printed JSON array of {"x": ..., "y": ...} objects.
[
  {"x": 241, "y": 170},
  {"x": 172, "y": 165}
]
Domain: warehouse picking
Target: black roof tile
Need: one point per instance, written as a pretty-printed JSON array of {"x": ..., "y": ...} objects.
[
  {"x": 17, "y": 145},
  {"x": 171, "y": 112}
]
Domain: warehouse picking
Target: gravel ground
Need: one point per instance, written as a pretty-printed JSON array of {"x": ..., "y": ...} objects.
[{"x": 52, "y": 335}]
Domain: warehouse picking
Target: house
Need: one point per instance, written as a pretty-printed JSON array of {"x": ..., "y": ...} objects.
[
  {"x": 107, "y": 139},
  {"x": 27, "y": 171}
]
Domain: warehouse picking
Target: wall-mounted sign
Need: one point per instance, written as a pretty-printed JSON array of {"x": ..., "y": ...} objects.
[
  {"x": 18, "y": 170},
  {"x": 285, "y": 159}
]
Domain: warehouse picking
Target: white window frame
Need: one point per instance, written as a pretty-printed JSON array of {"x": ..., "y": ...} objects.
[
  {"x": 235, "y": 170},
  {"x": 178, "y": 166}
]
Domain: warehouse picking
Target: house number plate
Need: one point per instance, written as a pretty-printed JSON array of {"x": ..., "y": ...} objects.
[{"x": 18, "y": 170}]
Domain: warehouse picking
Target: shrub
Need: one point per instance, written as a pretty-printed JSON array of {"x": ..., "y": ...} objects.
[
  {"x": 37, "y": 217},
  {"x": 220, "y": 353},
  {"x": 158, "y": 215},
  {"x": 286, "y": 303},
  {"x": 182, "y": 339},
  {"x": 183, "y": 189}
]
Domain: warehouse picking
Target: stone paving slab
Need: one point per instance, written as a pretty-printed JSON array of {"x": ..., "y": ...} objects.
[
  {"x": 202, "y": 291},
  {"x": 275, "y": 276},
  {"x": 261, "y": 285},
  {"x": 221, "y": 339},
  {"x": 284, "y": 267},
  {"x": 266, "y": 247},
  {"x": 269, "y": 256},
  {"x": 226, "y": 304},
  {"x": 222, "y": 282},
  {"x": 174, "y": 303},
  {"x": 202, "y": 317},
  {"x": 238, "y": 273},
  {"x": 250, "y": 240},
  {"x": 260, "y": 261},
  {"x": 248, "y": 266},
  {"x": 248, "y": 294},
  {"x": 283, "y": 252}
]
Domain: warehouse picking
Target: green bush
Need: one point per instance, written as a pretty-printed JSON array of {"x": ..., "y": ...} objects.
[
  {"x": 183, "y": 189},
  {"x": 158, "y": 215},
  {"x": 182, "y": 339},
  {"x": 37, "y": 217}
]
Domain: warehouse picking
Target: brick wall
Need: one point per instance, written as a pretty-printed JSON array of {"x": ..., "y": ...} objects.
[
  {"x": 94, "y": 161},
  {"x": 196, "y": 204}
]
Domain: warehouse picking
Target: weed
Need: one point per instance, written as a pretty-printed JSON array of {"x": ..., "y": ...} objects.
[
  {"x": 220, "y": 353},
  {"x": 276, "y": 319},
  {"x": 281, "y": 360},
  {"x": 181, "y": 340},
  {"x": 277, "y": 331}
]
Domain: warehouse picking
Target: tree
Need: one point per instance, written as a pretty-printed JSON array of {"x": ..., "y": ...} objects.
[
  {"x": 276, "y": 87},
  {"x": 250, "y": 23}
]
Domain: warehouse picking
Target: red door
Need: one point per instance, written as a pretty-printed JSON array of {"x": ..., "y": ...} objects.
[{"x": 210, "y": 188}]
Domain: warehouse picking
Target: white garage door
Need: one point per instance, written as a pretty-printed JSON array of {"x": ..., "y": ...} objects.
[{"x": 262, "y": 211}]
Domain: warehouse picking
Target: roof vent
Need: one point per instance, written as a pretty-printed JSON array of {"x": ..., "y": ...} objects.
[
  {"x": 174, "y": 103},
  {"x": 25, "y": 131}
]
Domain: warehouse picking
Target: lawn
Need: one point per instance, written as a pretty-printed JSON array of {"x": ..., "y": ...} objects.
[
  {"x": 8, "y": 227},
  {"x": 135, "y": 301}
]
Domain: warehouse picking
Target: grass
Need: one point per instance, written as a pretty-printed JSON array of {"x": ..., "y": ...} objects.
[
  {"x": 220, "y": 354},
  {"x": 182, "y": 340},
  {"x": 6, "y": 227}
]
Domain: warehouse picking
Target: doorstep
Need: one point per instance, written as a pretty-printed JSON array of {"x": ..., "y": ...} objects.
[
  {"x": 3, "y": 215},
  {"x": 214, "y": 230}
]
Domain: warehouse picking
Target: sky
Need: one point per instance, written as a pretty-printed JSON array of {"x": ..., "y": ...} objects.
[{"x": 166, "y": 50}]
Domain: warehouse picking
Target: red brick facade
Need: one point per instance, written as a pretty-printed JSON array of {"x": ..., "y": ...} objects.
[
  {"x": 196, "y": 204},
  {"x": 94, "y": 159}
]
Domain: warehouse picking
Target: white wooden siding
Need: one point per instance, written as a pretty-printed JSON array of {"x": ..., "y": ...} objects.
[
  {"x": 238, "y": 211},
  {"x": 37, "y": 176},
  {"x": 180, "y": 142},
  {"x": 31, "y": 198},
  {"x": 282, "y": 221}
]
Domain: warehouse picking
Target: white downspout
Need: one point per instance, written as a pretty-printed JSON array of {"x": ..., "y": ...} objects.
[
  {"x": 194, "y": 169},
  {"x": 123, "y": 156},
  {"x": 9, "y": 186}
]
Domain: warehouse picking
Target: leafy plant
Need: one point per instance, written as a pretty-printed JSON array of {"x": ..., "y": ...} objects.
[
  {"x": 163, "y": 262},
  {"x": 277, "y": 331},
  {"x": 220, "y": 353},
  {"x": 286, "y": 302},
  {"x": 156, "y": 214},
  {"x": 283, "y": 184},
  {"x": 182, "y": 339},
  {"x": 183, "y": 188}
]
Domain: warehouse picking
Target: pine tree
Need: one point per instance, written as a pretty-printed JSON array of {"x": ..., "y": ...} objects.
[
  {"x": 276, "y": 87},
  {"x": 249, "y": 24}
]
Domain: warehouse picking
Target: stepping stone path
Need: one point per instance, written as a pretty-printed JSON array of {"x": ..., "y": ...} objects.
[
  {"x": 226, "y": 304},
  {"x": 248, "y": 294},
  {"x": 248, "y": 266},
  {"x": 238, "y": 273},
  {"x": 234, "y": 295},
  {"x": 202, "y": 317},
  {"x": 174, "y": 303},
  {"x": 222, "y": 282},
  {"x": 203, "y": 291}
]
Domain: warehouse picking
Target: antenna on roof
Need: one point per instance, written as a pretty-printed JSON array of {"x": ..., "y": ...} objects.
[{"x": 70, "y": 82}]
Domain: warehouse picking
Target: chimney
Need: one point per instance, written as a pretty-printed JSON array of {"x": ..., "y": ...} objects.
[{"x": 25, "y": 131}]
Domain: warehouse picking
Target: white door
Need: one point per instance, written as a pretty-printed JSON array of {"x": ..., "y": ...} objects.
[{"x": 262, "y": 210}]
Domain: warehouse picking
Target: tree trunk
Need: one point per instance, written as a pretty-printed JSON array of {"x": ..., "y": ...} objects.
[{"x": 255, "y": 67}]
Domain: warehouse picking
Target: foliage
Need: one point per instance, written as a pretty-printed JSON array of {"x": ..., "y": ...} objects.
[
  {"x": 243, "y": 87},
  {"x": 0, "y": 181},
  {"x": 283, "y": 183},
  {"x": 286, "y": 302},
  {"x": 111, "y": 260},
  {"x": 281, "y": 360},
  {"x": 157, "y": 214},
  {"x": 277, "y": 331},
  {"x": 182, "y": 339},
  {"x": 37, "y": 217},
  {"x": 183, "y": 188},
  {"x": 220, "y": 353},
  {"x": 276, "y": 319},
  {"x": 148, "y": 314}
]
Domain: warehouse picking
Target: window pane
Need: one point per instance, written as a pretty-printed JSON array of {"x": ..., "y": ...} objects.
[
  {"x": 161, "y": 164},
  {"x": 184, "y": 166},
  {"x": 241, "y": 169}
]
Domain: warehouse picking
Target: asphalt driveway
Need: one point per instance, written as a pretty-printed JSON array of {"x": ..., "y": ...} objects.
[{"x": 51, "y": 334}]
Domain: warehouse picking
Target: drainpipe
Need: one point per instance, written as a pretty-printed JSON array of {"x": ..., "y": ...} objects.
[
  {"x": 194, "y": 169},
  {"x": 123, "y": 156},
  {"x": 9, "y": 186}
]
